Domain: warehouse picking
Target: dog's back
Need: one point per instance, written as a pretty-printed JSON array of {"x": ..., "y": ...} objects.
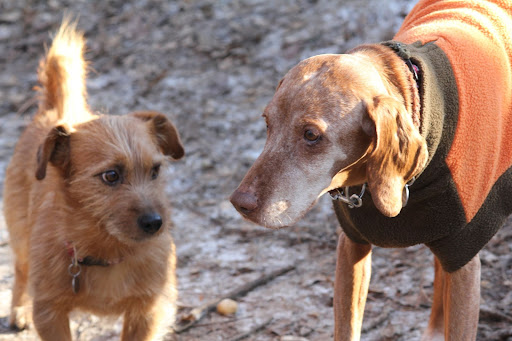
[{"x": 475, "y": 36}]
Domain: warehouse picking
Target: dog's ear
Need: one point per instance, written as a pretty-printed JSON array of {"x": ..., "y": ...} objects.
[
  {"x": 399, "y": 152},
  {"x": 165, "y": 134},
  {"x": 55, "y": 149}
]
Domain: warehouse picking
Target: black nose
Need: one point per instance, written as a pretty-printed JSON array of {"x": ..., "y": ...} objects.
[
  {"x": 150, "y": 223},
  {"x": 244, "y": 202}
]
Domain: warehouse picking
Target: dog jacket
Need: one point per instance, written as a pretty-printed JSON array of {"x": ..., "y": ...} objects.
[{"x": 463, "y": 50}]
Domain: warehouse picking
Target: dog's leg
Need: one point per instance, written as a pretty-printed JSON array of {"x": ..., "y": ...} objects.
[
  {"x": 462, "y": 302},
  {"x": 141, "y": 323},
  {"x": 50, "y": 322},
  {"x": 435, "y": 329},
  {"x": 353, "y": 271},
  {"x": 20, "y": 315}
]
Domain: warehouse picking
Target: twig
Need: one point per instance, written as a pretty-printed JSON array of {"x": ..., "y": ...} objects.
[
  {"x": 253, "y": 330},
  {"x": 217, "y": 323},
  {"x": 33, "y": 39},
  {"x": 500, "y": 335},
  {"x": 378, "y": 320},
  {"x": 198, "y": 313},
  {"x": 27, "y": 105},
  {"x": 151, "y": 84},
  {"x": 494, "y": 315}
]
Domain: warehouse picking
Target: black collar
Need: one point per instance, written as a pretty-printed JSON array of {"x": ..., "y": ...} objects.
[
  {"x": 88, "y": 260},
  {"x": 402, "y": 52}
]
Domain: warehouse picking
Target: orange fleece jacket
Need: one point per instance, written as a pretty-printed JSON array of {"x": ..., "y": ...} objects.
[{"x": 476, "y": 36}]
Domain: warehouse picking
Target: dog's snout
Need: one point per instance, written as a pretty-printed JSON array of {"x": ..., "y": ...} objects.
[
  {"x": 150, "y": 223},
  {"x": 244, "y": 202}
]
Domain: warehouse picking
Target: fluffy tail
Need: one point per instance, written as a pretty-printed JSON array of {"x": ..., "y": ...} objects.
[{"x": 62, "y": 75}]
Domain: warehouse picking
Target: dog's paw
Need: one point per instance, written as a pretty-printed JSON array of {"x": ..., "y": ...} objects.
[{"x": 19, "y": 319}]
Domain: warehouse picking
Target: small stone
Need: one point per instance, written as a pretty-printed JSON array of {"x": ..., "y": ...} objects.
[{"x": 227, "y": 307}]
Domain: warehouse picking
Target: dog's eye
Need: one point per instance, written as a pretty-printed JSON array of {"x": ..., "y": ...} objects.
[
  {"x": 110, "y": 177},
  {"x": 311, "y": 135},
  {"x": 154, "y": 172}
]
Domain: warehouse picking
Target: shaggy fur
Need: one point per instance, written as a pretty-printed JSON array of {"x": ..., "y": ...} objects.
[{"x": 82, "y": 193}]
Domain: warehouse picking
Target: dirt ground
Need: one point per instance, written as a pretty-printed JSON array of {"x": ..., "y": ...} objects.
[{"x": 212, "y": 66}]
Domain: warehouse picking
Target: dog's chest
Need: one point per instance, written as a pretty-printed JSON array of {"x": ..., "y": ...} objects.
[{"x": 109, "y": 289}]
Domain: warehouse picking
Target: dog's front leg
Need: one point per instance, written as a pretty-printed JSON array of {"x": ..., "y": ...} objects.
[
  {"x": 140, "y": 322},
  {"x": 461, "y": 302},
  {"x": 51, "y": 323},
  {"x": 353, "y": 272},
  {"x": 20, "y": 314}
]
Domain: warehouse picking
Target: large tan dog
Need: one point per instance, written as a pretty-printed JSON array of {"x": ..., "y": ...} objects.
[
  {"x": 423, "y": 123},
  {"x": 87, "y": 215}
]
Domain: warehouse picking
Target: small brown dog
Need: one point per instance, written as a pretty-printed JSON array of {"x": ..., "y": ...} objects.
[{"x": 86, "y": 211}]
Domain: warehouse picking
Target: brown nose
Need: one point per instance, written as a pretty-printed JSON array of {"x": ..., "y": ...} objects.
[{"x": 244, "y": 202}]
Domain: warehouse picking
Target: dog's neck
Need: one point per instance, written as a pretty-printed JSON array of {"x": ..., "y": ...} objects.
[
  {"x": 400, "y": 77},
  {"x": 88, "y": 260}
]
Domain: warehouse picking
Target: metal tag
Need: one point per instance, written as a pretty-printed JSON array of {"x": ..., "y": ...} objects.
[
  {"x": 75, "y": 284},
  {"x": 74, "y": 270}
]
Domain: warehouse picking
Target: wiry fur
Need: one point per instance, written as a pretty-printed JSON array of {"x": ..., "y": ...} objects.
[{"x": 54, "y": 197}]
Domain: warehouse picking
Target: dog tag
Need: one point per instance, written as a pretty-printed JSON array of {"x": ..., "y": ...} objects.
[
  {"x": 75, "y": 284},
  {"x": 74, "y": 270}
]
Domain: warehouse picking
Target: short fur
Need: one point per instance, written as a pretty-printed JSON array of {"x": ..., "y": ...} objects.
[
  {"x": 59, "y": 208},
  {"x": 362, "y": 117}
]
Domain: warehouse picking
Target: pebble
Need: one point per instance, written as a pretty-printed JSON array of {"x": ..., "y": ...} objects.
[{"x": 227, "y": 307}]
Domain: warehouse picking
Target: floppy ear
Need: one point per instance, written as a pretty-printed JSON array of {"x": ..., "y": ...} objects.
[
  {"x": 399, "y": 153},
  {"x": 55, "y": 149},
  {"x": 165, "y": 134}
]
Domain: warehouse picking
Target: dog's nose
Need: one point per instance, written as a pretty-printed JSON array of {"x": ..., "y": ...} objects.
[
  {"x": 150, "y": 223},
  {"x": 244, "y": 202}
]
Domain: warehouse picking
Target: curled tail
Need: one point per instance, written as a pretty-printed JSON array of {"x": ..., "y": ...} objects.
[{"x": 62, "y": 75}]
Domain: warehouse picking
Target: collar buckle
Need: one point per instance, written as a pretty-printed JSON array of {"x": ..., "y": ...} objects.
[{"x": 343, "y": 195}]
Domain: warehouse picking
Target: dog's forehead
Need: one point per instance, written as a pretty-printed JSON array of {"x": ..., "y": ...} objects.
[
  {"x": 114, "y": 138},
  {"x": 316, "y": 87}
]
